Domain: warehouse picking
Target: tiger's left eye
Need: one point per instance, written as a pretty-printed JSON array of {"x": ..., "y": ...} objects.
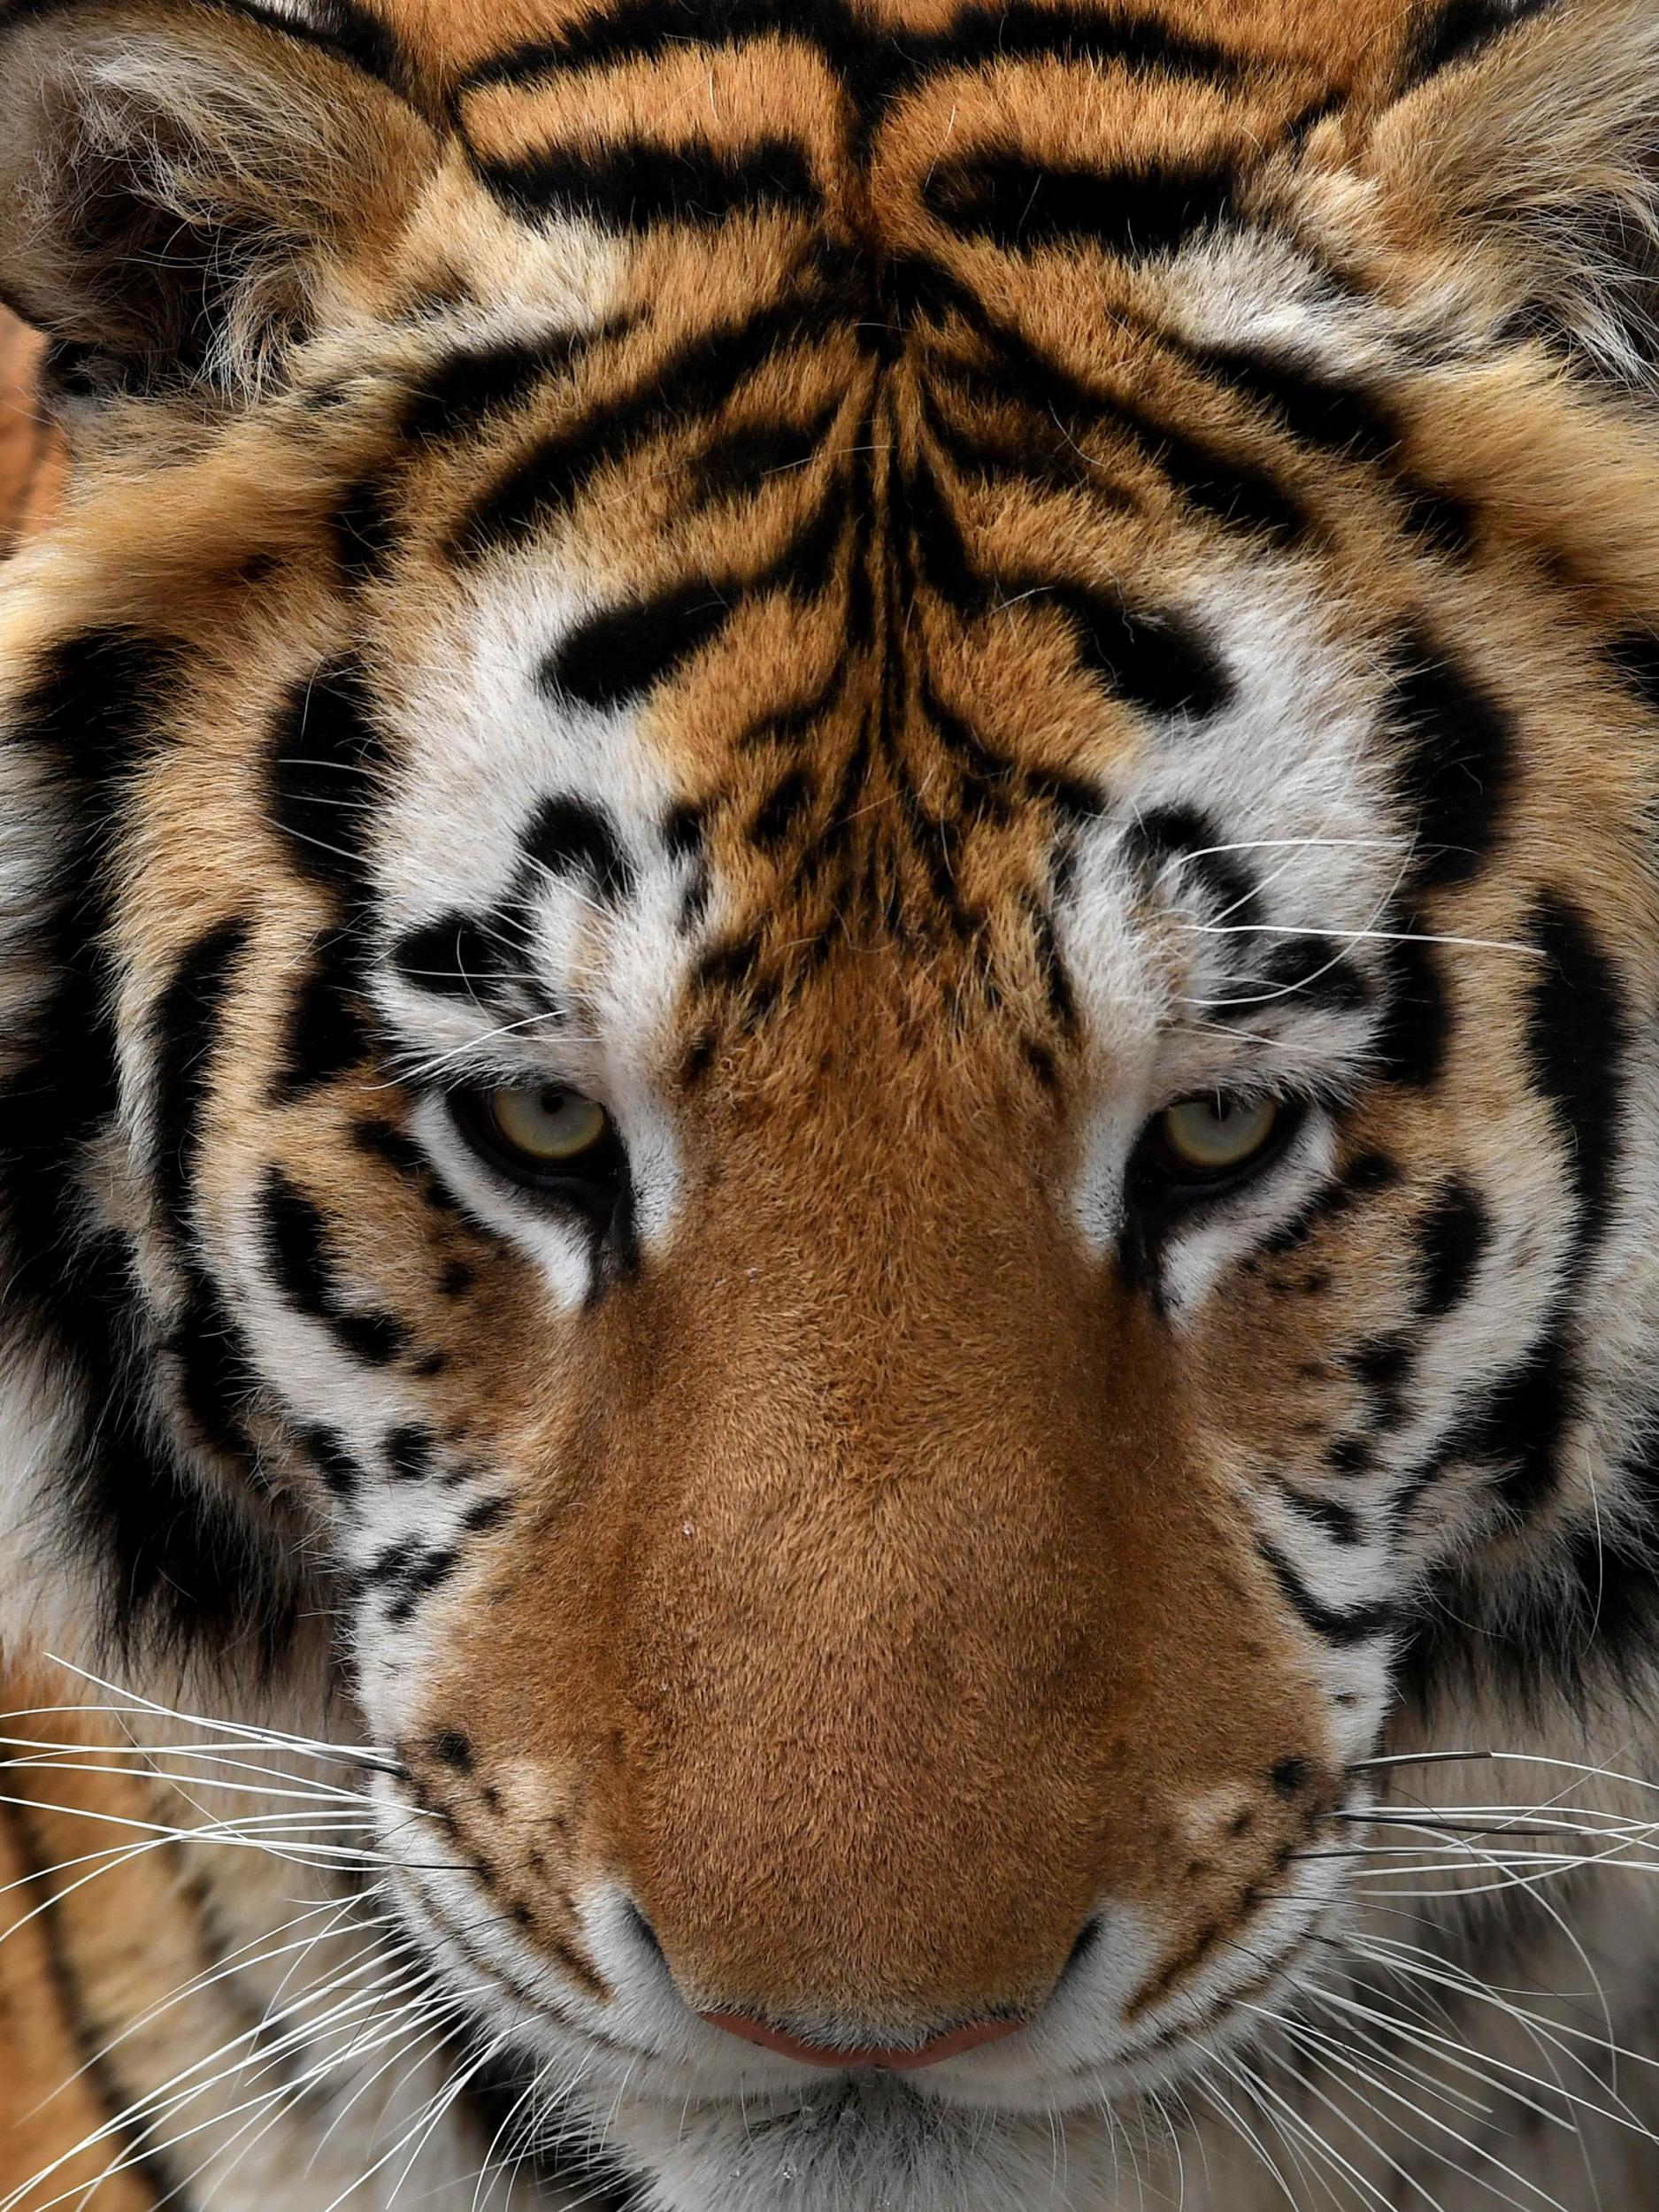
[
  {"x": 1202, "y": 1140},
  {"x": 548, "y": 1126}
]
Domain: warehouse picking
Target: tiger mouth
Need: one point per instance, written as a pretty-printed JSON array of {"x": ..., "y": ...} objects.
[{"x": 1149, "y": 2062}]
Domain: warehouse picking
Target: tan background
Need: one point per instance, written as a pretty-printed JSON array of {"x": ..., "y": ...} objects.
[{"x": 31, "y": 460}]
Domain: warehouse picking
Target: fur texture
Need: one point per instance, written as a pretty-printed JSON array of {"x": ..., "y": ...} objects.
[{"x": 889, "y": 590}]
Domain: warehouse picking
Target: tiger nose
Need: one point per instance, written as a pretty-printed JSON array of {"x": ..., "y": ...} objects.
[{"x": 952, "y": 2044}]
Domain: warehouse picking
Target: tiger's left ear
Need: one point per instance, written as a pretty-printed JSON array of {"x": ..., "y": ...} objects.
[
  {"x": 181, "y": 179},
  {"x": 1521, "y": 161}
]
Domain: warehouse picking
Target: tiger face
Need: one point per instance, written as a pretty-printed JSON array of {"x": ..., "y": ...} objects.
[{"x": 833, "y": 971}]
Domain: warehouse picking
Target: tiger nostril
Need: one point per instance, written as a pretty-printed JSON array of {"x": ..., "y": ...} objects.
[
  {"x": 644, "y": 1934},
  {"x": 1082, "y": 1949},
  {"x": 897, "y": 2058}
]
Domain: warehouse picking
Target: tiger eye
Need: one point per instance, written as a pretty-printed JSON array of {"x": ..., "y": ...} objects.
[
  {"x": 1216, "y": 1134},
  {"x": 545, "y": 1126}
]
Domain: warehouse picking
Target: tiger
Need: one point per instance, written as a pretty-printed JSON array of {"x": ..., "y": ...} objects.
[{"x": 829, "y": 1086}]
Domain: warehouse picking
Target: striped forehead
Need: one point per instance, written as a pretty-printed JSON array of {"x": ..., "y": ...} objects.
[
  {"x": 572, "y": 882},
  {"x": 847, "y": 590}
]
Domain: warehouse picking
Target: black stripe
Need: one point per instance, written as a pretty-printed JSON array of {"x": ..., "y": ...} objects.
[
  {"x": 1578, "y": 1037},
  {"x": 1040, "y": 453},
  {"x": 1415, "y": 1033},
  {"x": 792, "y": 726},
  {"x": 921, "y": 516},
  {"x": 642, "y": 30},
  {"x": 364, "y": 524},
  {"x": 453, "y": 957},
  {"x": 1022, "y": 205},
  {"x": 1185, "y": 836},
  {"x": 377, "y": 1338},
  {"x": 339, "y": 1470},
  {"x": 1459, "y": 31},
  {"x": 1520, "y": 1425},
  {"x": 487, "y": 1514},
  {"x": 1057, "y": 982},
  {"x": 1156, "y": 663},
  {"x": 465, "y": 387},
  {"x": 624, "y": 652},
  {"x": 1456, "y": 759},
  {"x": 419, "y": 1578},
  {"x": 1359, "y": 1624},
  {"x": 97, "y": 705},
  {"x": 1334, "y": 417},
  {"x": 295, "y": 1242},
  {"x": 696, "y": 379},
  {"x": 1452, "y": 1237},
  {"x": 568, "y": 836},
  {"x": 361, "y": 36},
  {"x": 1634, "y": 654},
  {"x": 327, "y": 1031},
  {"x": 989, "y": 778},
  {"x": 1025, "y": 31},
  {"x": 183, "y": 1031},
  {"x": 743, "y": 461},
  {"x": 1341, "y": 1523},
  {"x": 1315, "y": 972},
  {"x": 1236, "y": 492},
  {"x": 326, "y": 769},
  {"x": 344, "y": 28},
  {"x": 409, "y": 1453},
  {"x": 173, "y": 1570},
  {"x": 876, "y": 64},
  {"x": 630, "y": 188},
  {"x": 778, "y": 815},
  {"x": 1343, "y": 419},
  {"x": 295, "y": 1239},
  {"x": 1382, "y": 1365},
  {"x": 216, "y": 1376},
  {"x": 1361, "y": 1178}
]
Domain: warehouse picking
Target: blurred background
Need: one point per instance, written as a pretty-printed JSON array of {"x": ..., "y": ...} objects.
[{"x": 31, "y": 458}]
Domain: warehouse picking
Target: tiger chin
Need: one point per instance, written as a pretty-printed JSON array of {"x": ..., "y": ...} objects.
[{"x": 829, "y": 935}]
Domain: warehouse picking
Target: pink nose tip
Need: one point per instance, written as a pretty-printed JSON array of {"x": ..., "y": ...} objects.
[{"x": 941, "y": 2046}]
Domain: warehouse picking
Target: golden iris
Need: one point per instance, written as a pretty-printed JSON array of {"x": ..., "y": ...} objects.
[
  {"x": 1217, "y": 1134},
  {"x": 546, "y": 1127}
]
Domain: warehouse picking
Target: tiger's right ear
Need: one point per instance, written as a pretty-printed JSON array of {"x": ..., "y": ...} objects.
[
  {"x": 1521, "y": 168},
  {"x": 180, "y": 180}
]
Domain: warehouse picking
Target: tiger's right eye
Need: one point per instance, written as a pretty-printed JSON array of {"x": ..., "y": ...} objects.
[
  {"x": 545, "y": 1127},
  {"x": 546, "y": 1138}
]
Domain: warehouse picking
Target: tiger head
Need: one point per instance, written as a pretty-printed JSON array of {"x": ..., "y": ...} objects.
[{"x": 830, "y": 916}]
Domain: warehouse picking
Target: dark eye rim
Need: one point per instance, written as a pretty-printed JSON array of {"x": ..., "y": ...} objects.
[
  {"x": 592, "y": 1182},
  {"x": 1160, "y": 1177}
]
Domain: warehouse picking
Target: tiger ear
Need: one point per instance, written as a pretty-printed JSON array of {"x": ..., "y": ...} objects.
[
  {"x": 1521, "y": 166},
  {"x": 180, "y": 182}
]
